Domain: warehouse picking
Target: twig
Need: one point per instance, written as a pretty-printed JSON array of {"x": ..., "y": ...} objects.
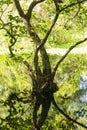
[
  {"x": 73, "y": 4},
  {"x": 78, "y": 9}
]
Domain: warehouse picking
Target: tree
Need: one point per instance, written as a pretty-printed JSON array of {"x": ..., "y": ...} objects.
[{"x": 43, "y": 76}]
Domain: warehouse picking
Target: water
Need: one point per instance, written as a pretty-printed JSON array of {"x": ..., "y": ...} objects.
[{"x": 83, "y": 87}]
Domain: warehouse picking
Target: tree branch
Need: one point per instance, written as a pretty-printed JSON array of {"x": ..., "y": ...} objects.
[
  {"x": 77, "y": 10},
  {"x": 30, "y": 9},
  {"x": 64, "y": 56},
  {"x": 73, "y": 4},
  {"x": 13, "y": 39},
  {"x": 28, "y": 26},
  {"x": 66, "y": 115},
  {"x": 19, "y": 8},
  {"x": 51, "y": 27},
  {"x": 10, "y": 34}
]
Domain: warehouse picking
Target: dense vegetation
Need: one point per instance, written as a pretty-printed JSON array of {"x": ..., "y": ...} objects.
[{"x": 19, "y": 60}]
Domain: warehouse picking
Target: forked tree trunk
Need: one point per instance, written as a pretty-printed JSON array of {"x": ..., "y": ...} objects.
[{"x": 43, "y": 78}]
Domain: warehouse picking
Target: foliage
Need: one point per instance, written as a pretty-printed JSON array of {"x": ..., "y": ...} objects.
[{"x": 14, "y": 81}]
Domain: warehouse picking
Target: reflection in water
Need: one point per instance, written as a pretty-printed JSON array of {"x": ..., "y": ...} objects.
[
  {"x": 84, "y": 97},
  {"x": 78, "y": 106},
  {"x": 83, "y": 86}
]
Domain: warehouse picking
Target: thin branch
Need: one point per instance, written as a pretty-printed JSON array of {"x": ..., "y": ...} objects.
[
  {"x": 66, "y": 115},
  {"x": 51, "y": 27},
  {"x": 73, "y": 4},
  {"x": 77, "y": 10},
  {"x": 12, "y": 38},
  {"x": 64, "y": 56},
  {"x": 31, "y": 7},
  {"x": 10, "y": 34}
]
